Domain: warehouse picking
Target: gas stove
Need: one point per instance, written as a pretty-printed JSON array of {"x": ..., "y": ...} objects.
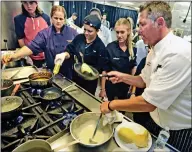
[{"x": 38, "y": 120}]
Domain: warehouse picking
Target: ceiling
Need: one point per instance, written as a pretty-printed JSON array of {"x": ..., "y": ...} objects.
[{"x": 179, "y": 12}]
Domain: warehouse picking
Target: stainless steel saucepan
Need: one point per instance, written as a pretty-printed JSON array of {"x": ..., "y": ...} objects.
[{"x": 81, "y": 130}]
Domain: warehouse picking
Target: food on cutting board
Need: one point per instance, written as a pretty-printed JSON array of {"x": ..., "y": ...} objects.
[
  {"x": 86, "y": 69},
  {"x": 137, "y": 135}
]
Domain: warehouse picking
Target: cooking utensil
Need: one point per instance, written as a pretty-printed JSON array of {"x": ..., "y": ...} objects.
[
  {"x": 89, "y": 119},
  {"x": 41, "y": 79},
  {"x": 97, "y": 125},
  {"x": 67, "y": 145},
  {"x": 3, "y": 68},
  {"x": 50, "y": 94},
  {"x": 86, "y": 76},
  {"x": 7, "y": 87}
]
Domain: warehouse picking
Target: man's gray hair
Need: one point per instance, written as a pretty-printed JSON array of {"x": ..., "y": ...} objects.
[{"x": 158, "y": 9}]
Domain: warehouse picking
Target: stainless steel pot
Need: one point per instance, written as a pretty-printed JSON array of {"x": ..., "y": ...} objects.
[
  {"x": 7, "y": 88},
  {"x": 35, "y": 145},
  {"x": 41, "y": 79},
  {"x": 16, "y": 63},
  {"x": 87, "y": 119}
]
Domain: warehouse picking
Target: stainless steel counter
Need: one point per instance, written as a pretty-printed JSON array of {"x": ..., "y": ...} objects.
[{"x": 91, "y": 103}]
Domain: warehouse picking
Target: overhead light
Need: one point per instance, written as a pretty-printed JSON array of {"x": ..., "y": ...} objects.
[{"x": 127, "y": 3}]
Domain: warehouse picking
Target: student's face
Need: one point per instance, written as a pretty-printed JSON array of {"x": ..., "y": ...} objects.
[
  {"x": 148, "y": 29},
  {"x": 104, "y": 17},
  {"x": 122, "y": 32},
  {"x": 89, "y": 32},
  {"x": 30, "y": 6},
  {"x": 58, "y": 19}
]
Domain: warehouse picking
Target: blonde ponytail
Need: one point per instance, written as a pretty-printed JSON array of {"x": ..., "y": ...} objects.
[{"x": 128, "y": 23}]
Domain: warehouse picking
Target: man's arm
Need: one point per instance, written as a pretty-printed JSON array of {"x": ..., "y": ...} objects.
[
  {"x": 118, "y": 77},
  {"x": 136, "y": 104}
]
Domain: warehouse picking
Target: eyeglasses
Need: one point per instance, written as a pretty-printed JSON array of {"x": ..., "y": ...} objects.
[{"x": 28, "y": 2}]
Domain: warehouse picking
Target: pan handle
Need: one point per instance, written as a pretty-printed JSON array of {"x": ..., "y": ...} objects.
[
  {"x": 105, "y": 75},
  {"x": 15, "y": 89}
]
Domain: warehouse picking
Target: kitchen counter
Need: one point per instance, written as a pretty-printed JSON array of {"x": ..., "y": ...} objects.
[{"x": 92, "y": 104}]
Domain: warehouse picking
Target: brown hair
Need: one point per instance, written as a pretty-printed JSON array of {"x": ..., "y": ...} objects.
[
  {"x": 128, "y": 23},
  {"x": 60, "y": 9},
  {"x": 158, "y": 9}
]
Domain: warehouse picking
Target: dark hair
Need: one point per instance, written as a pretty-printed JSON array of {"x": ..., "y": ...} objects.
[
  {"x": 75, "y": 14},
  {"x": 38, "y": 11},
  {"x": 95, "y": 9}
]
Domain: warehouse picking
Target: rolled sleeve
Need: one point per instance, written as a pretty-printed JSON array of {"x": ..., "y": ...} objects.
[
  {"x": 168, "y": 82},
  {"x": 37, "y": 44}
]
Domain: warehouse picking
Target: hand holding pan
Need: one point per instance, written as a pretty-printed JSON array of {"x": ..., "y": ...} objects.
[{"x": 87, "y": 76}]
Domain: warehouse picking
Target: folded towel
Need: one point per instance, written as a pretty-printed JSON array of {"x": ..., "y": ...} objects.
[{"x": 112, "y": 117}]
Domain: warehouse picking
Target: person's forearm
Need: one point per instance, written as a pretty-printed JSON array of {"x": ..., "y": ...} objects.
[
  {"x": 133, "y": 70},
  {"x": 133, "y": 80},
  {"x": 136, "y": 104},
  {"x": 24, "y": 51},
  {"x": 103, "y": 80},
  {"x": 21, "y": 43}
]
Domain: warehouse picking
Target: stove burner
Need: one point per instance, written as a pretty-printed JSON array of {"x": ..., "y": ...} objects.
[
  {"x": 68, "y": 118},
  {"x": 35, "y": 92}
]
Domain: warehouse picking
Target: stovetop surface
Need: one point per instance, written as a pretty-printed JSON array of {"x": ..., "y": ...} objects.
[{"x": 38, "y": 119}]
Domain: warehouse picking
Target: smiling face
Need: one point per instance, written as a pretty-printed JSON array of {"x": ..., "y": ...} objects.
[
  {"x": 58, "y": 19},
  {"x": 90, "y": 33},
  {"x": 30, "y": 6}
]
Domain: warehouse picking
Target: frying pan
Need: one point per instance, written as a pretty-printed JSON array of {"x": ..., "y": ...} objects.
[
  {"x": 41, "y": 79},
  {"x": 11, "y": 106},
  {"x": 52, "y": 94},
  {"x": 87, "y": 76}
]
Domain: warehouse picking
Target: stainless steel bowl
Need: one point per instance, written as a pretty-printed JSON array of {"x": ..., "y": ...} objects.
[{"x": 90, "y": 118}]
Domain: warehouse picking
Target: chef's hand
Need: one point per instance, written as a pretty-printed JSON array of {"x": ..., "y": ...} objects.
[
  {"x": 7, "y": 58},
  {"x": 60, "y": 58},
  {"x": 104, "y": 107},
  {"x": 116, "y": 77}
]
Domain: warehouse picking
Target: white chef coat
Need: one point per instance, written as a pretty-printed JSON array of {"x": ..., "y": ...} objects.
[{"x": 168, "y": 87}]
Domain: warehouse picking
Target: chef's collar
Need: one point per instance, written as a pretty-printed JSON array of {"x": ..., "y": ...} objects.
[
  {"x": 163, "y": 42},
  {"x": 61, "y": 31}
]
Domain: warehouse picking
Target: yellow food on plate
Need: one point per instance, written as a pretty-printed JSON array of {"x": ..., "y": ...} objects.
[
  {"x": 129, "y": 135},
  {"x": 86, "y": 69}
]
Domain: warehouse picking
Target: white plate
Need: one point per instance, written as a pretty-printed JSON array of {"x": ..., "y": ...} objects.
[{"x": 130, "y": 147}]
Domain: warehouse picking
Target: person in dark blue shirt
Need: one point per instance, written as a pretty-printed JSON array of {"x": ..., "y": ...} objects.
[
  {"x": 52, "y": 41},
  {"x": 92, "y": 49},
  {"x": 122, "y": 58}
]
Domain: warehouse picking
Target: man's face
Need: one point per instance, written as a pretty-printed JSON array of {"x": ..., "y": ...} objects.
[
  {"x": 148, "y": 29},
  {"x": 89, "y": 32},
  {"x": 122, "y": 32},
  {"x": 96, "y": 13},
  {"x": 104, "y": 17},
  {"x": 74, "y": 17}
]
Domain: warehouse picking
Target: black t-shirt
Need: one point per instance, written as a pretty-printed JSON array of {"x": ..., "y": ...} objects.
[
  {"x": 119, "y": 60},
  {"x": 94, "y": 53}
]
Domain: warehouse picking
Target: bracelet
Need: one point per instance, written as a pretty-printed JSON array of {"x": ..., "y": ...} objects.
[
  {"x": 132, "y": 93},
  {"x": 109, "y": 107},
  {"x": 102, "y": 89}
]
